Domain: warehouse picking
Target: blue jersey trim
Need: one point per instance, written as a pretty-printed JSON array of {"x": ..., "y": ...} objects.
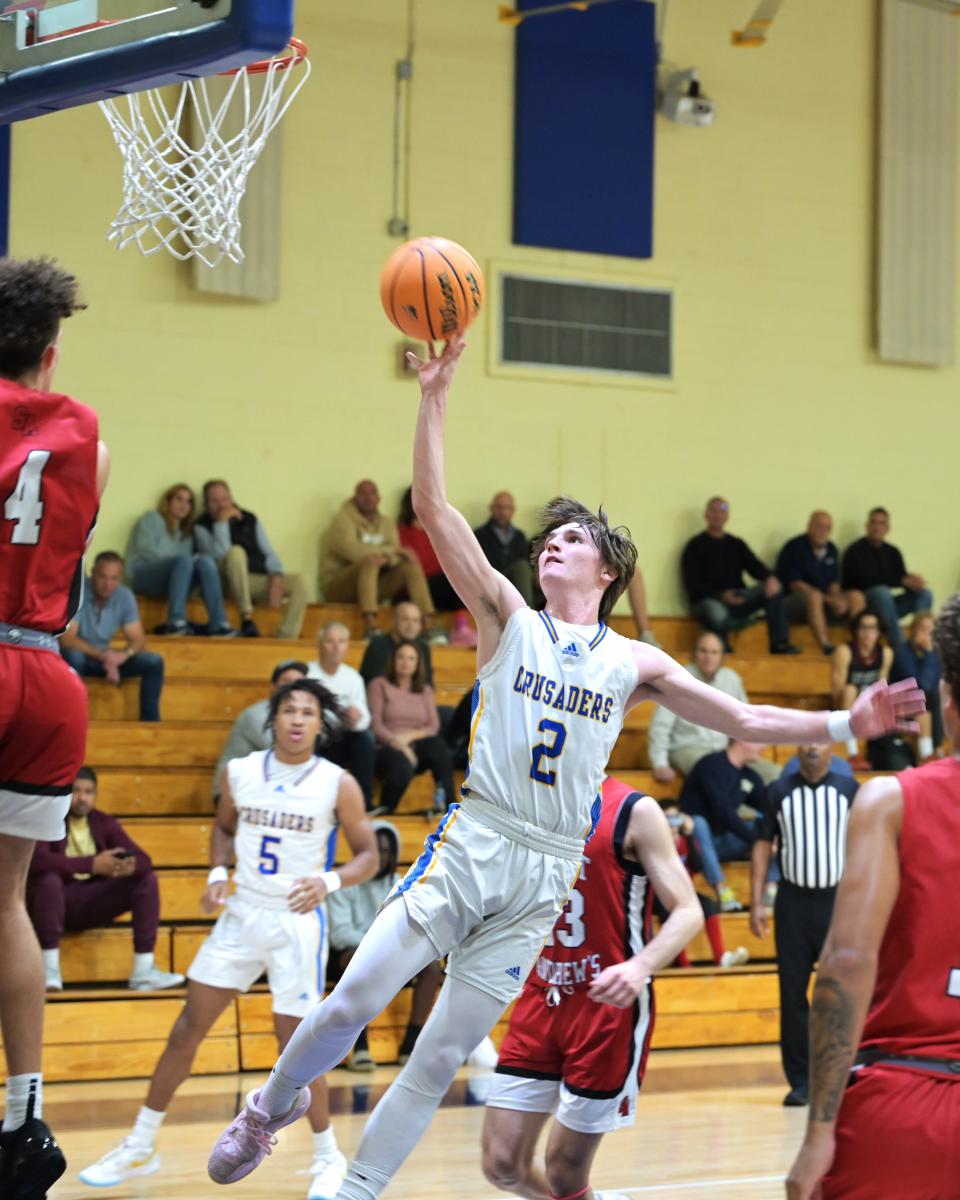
[
  {"x": 429, "y": 849},
  {"x": 548, "y": 624},
  {"x": 598, "y": 636},
  {"x": 331, "y": 848}
]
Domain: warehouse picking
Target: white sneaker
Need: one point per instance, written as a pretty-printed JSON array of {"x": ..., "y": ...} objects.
[
  {"x": 327, "y": 1173},
  {"x": 126, "y": 1161},
  {"x": 154, "y": 980},
  {"x": 53, "y": 980},
  {"x": 735, "y": 958},
  {"x": 484, "y": 1055}
]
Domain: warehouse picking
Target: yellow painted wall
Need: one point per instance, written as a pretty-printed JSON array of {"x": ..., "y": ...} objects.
[{"x": 763, "y": 228}]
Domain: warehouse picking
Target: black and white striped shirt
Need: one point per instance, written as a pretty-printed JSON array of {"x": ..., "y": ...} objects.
[{"x": 810, "y": 821}]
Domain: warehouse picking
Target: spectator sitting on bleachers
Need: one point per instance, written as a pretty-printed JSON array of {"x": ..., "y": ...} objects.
[
  {"x": 89, "y": 878},
  {"x": 507, "y": 548},
  {"x": 351, "y": 912},
  {"x": 353, "y": 746},
  {"x": 682, "y": 828},
  {"x": 713, "y": 565},
  {"x": 250, "y": 566},
  {"x": 414, "y": 537},
  {"x": 406, "y": 724},
  {"x": 407, "y": 626},
  {"x": 856, "y": 665},
  {"x": 808, "y": 566},
  {"x": 875, "y": 574},
  {"x": 249, "y": 731},
  {"x": 108, "y": 608},
  {"x": 364, "y": 563},
  {"x": 712, "y": 795},
  {"x": 917, "y": 658},
  {"x": 160, "y": 561},
  {"x": 677, "y": 745}
]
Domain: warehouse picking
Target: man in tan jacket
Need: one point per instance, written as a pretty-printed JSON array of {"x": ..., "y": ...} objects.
[{"x": 364, "y": 563}]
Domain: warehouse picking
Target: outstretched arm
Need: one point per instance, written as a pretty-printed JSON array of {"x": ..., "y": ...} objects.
[
  {"x": 848, "y": 971},
  {"x": 489, "y": 596},
  {"x": 879, "y": 709}
]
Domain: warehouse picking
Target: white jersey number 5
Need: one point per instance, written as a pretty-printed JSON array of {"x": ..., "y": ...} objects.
[{"x": 23, "y": 506}]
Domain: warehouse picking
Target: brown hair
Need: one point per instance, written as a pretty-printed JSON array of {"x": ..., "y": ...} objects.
[
  {"x": 163, "y": 508},
  {"x": 617, "y": 551},
  {"x": 419, "y": 680},
  {"x": 35, "y": 296},
  {"x": 946, "y": 637}
]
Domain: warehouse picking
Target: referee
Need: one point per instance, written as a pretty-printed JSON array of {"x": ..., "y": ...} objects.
[{"x": 807, "y": 814}]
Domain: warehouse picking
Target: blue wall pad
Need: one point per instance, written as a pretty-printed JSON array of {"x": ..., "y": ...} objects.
[{"x": 584, "y": 129}]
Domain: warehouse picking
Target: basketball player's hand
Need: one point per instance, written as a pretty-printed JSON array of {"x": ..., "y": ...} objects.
[
  {"x": 619, "y": 985},
  {"x": 884, "y": 707},
  {"x": 759, "y": 922},
  {"x": 811, "y": 1164},
  {"x": 436, "y": 373},
  {"x": 215, "y": 897},
  {"x": 306, "y": 895}
]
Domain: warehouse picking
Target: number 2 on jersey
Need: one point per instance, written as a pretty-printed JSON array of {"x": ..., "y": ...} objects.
[
  {"x": 542, "y": 751},
  {"x": 269, "y": 862},
  {"x": 23, "y": 506}
]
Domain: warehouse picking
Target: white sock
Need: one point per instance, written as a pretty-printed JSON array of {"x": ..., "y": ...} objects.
[
  {"x": 142, "y": 964},
  {"x": 925, "y": 746},
  {"x": 20, "y": 1088},
  {"x": 853, "y": 747},
  {"x": 146, "y": 1127},
  {"x": 362, "y": 1182},
  {"x": 51, "y": 959},
  {"x": 325, "y": 1143}
]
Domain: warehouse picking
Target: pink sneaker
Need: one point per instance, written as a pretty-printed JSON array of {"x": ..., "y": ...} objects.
[{"x": 243, "y": 1145}]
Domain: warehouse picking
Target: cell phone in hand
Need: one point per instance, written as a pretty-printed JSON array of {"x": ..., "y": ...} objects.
[{"x": 121, "y": 853}]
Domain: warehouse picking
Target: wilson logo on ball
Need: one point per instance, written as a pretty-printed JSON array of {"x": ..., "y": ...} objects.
[{"x": 431, "y": 288}]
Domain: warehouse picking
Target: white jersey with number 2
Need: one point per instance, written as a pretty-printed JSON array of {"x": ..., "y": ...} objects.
[
  {"x": 547, "y": 710},
  {"x": 286, "y": 823}
]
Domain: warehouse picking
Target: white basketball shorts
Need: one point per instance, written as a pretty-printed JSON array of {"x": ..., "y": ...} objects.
[
  {"x": 249, "y": 940},
  {"x": 487, "y": 897}
]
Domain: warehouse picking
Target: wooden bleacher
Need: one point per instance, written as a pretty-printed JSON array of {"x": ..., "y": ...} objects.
[{"x": 158, "y": 778}]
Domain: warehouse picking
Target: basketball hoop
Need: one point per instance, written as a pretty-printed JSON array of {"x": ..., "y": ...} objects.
[{"x": 182, "y": 193}]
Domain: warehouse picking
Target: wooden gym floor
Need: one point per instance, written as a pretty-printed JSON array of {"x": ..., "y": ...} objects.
[{"x": 710, "y": 1126}]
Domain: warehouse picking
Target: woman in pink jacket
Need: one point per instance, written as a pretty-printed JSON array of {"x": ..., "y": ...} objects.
[{"x": 406, "y": 724}]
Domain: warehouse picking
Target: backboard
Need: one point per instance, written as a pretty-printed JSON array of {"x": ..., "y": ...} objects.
[{"x": 55, "y": 54}]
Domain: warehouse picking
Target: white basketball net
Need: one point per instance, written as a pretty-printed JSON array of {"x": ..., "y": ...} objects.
[{"x": 184, "y": 174}]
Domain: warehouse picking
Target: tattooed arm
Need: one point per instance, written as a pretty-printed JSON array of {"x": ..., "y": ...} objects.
[{"x": 848, "y": 971}]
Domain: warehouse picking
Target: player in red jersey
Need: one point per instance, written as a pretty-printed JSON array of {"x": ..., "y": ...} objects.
[
  {"x": 892, "y": 1127},
  {"x": 52, "y": 471},
  {"x": 579, "y": 1035}
]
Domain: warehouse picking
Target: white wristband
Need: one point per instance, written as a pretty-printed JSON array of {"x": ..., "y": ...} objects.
[
  {"x": 332, "y": 881},
  {"x": 838, "y": 725},
  {"x": 218, "y": 875}
]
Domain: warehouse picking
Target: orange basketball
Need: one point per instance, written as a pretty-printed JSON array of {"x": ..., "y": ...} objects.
[{"x": 431, "y": 288}]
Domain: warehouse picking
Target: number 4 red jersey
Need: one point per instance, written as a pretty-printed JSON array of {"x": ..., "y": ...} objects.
[
  {"x": 916, "y": 1001},
  {"x": 48, "y": 494}
]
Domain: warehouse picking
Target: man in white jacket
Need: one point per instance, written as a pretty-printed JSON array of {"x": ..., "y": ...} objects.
[
  {"x": 354, "y": 749},
  {"x": 351, "y": 913}
]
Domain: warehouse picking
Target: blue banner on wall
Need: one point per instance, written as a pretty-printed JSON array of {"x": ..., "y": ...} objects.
[{"x": 584, "y": 128}]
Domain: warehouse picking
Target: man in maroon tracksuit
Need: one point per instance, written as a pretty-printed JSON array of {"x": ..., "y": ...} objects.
[{"x": 87, "y": 879}]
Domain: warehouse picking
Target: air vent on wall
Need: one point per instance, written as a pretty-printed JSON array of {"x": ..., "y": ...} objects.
[{"x": 586, "y": 326}]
